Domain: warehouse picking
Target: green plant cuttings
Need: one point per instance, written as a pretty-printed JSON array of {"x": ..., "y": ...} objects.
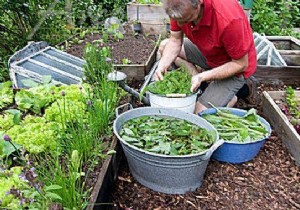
[
  {"x": 174, "y": 82},
  {"x": 169, "y": 136},
  {"x": 234, "y": 128}
]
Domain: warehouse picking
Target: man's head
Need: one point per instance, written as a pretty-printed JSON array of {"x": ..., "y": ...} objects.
[{"x": 183, "y": 11}]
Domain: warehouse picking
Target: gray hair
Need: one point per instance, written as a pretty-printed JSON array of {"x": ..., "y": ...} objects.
[{"x": 175, "y": 8}]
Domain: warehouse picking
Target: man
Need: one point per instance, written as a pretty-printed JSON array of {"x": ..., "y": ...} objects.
[{"x": 219, "y": 47}]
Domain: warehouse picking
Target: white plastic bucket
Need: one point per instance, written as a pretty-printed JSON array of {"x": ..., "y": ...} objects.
[{"x": 186, "y": 104}]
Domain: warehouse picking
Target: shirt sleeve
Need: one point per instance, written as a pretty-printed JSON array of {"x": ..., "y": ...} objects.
[
  {"x": 237, "y": 38},
  {"x": 174, "y": 26}
]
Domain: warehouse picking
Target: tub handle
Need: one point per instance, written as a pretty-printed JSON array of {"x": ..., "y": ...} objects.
[
  {"x": 212, "y": 149},
  {"x": 122, "y": 106}
]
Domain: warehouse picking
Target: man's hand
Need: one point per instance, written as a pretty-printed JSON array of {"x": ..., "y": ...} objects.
[
  {"x": 196, "y": 82},
  {"x": 159, "y": 74}
]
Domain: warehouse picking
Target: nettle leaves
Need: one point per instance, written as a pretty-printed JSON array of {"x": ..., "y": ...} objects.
[
  {"x": 174, "y": 82},
  {"x": 231, "y": 127},
  {"x": 166, "y": 135}
]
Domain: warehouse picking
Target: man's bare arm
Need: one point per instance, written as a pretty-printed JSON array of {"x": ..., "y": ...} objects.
[
  {"x": 226, "y": 70},
  {"x": 170, "y": 53}
]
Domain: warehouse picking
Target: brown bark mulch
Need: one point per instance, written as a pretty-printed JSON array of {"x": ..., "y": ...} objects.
[{"x": 270, "y": 181}]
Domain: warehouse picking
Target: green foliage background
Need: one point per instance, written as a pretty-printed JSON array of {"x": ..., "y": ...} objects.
[
  {"x": 19, "y": 18},
  {"x": 276, "y": 17}
]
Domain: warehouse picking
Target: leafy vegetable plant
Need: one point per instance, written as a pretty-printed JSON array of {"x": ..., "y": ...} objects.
[
  {"x": 169, "y": 136},
  {"x": 293, "y": 108},
  {"x": 174, "y": 82},
  {"x": 6, "y": 94},
  {"x": 236, "y": 128}
]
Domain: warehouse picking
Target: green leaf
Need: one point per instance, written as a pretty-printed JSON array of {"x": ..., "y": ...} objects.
[
  {"x": 165, "y": 148},
  {"x": 111, "y": 152},
  {"x": 129, "y": 139},
  {"x": 53, "y": 196},
  {"x": 128, "y": 132},
  {"x": 52, "y": 187},
  {"x": 17, "y": 115},
  {"x": 29, "y": 83},
  {"x": 46, "y": 79},
  {"x": 1, "y": 148},
  {"x": 8, "y": 148}
]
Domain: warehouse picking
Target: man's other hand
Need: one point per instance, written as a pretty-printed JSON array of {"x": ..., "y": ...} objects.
[
  {"x": 196, "y": 82},
  {"x": 158, "y": 75}
]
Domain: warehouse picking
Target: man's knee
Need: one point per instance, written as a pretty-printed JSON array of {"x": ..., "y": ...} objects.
[{"x": 199, "y": 107}]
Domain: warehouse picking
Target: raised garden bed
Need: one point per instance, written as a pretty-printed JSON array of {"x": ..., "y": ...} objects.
[
  {"x": 152, "y": 17},
  {"x": 289, "y": 48},
  {"x": 280, "y": 122},
  {"x": 77, "y": 167},
  {"x": 134, "y": 55},
  {"x": 101, "y": 195}
]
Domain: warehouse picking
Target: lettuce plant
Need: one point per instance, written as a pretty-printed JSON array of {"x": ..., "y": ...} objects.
[
  {"x": 6, "y": 94},
  {"x": 35, "y": 134}
]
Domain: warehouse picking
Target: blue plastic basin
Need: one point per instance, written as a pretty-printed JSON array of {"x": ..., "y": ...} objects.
[{"x": 233, "y": 152}]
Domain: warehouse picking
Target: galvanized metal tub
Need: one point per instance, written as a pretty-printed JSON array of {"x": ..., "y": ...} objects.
[
  {"x": 186, "y": 103},
  {"x": 166, "y": 173}
]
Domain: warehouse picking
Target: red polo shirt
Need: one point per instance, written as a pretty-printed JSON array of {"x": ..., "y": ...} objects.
[{"x": 223, "y": 34}]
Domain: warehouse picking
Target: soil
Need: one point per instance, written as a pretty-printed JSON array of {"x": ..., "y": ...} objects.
[
  {"x": 270, "y": 181},
  {"x": 135, "y": 47}
]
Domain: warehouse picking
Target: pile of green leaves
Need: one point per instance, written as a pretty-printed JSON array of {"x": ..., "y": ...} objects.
[
  {"x": 169, "y": 136},
  {"x": 234, "y": 128},
  {"x": 6, "y": 94},
  {"x": 174, "y": 82}
]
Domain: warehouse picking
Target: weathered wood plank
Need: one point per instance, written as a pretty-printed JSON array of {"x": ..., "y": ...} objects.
[
  {"x": 289, "y": 75},
  {"x": 153, "y": 28},
  {"x": 280, "y": 123},
  {"x": 291, "y": 59},
  {"x": 152, "y": 17},
  {"x": 285, "y": 42},
  {"x": 147, "y": 13},
  {"x": 138, "y": 71},
  {"x": 101, "y": 194}
]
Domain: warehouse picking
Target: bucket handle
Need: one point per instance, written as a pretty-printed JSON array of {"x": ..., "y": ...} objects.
[
  {"x": 212, "y": 149},
  {"x": 124, "y": 105}
]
